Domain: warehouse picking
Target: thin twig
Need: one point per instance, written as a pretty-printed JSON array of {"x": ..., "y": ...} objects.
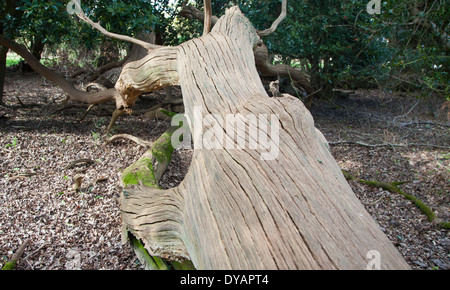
[
  {"x": 423, "y": 123},
  {"x": 407, "y": 113},
  {"x": 83, "y": 160},
  {"x": 135, "y": 139},
  {"x": 387, "y": 144}
]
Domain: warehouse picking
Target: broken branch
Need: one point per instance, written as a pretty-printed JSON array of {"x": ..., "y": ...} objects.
[
  {"x": 208, "y": 15},
  {"x": 136, "y": 140},
  {"x": 387, "y": 144},
  {"x": 12, "y": 264},
  {"x": 58, "y": 79},
  {"x": 97, "y": 26},
  {"x": 276, "y": 22}
]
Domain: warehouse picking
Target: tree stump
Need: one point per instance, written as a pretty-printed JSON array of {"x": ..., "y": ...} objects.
[{"x": 273, "y": 198}]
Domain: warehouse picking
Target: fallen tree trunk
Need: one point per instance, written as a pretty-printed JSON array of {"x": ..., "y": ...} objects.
[{"x": 273, "y": 198}]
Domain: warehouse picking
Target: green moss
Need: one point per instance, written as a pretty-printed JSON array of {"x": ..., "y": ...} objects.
[
  {"x": 141, "y": 171},
  {"x": 162, "y": 150},
  {"x": 347, "y": 175},
  {"x": 185, "y": 265},
  {"x": 445, "y": 225},
  {"x": 168, "y": 113},
  {"x": 161, "y": 263},
  {"x": 392, "y": 187},
  {"x": 423, "y": 207},
  {"x": 145, "y": 258},
  {"x": 10, "y": 265},
  {"x": 156, "y": 263}
]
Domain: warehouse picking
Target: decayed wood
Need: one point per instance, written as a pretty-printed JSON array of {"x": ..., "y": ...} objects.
[
  {"x": 12, "y": 264},
  {"x": 161, "y": 236},
  {"x": 158, "y": 69},
  {"x": 235, "y": 210},
  {"x": 262, "y": 54}
]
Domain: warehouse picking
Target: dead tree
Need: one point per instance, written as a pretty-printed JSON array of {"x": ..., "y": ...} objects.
[
  {"x": 234, "y": 209},
  {"x": 279, "y": 204},
  {"x": 261, "y": 53}
]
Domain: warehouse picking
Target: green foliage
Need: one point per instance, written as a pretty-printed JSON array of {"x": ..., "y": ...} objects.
[
  {"x": 419, "y": 55},
  {"x": 47, "y": 22},
  {"x": 337, "y": 42},
  {"x": 334, "y": 39}
]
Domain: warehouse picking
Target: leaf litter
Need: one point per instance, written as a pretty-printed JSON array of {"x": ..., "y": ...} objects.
[{"x": 81, "y": 229}]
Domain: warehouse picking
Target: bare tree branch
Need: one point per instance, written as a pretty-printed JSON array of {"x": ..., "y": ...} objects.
[
  {"x": 276, "y": 22},
  {"x": 136, "y": 140},
  {"x": 385, "y": 144},
  {"x": 208, "y": 15},
  {"x": 74, "y": 93},
  {"x": 97, "y": 26},
  {"x": 190, "y": 12}
]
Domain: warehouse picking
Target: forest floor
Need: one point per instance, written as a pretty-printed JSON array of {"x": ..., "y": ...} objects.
[{"x": 82, "y": 230}]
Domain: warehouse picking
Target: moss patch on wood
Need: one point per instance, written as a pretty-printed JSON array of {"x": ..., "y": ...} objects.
[
  {"x": 10, "y": 265},
  {"x": 147, "y": 171},
  {"x": 392, "y": 187},
  {"x": 163, "y": 149},
  {"x": 141, "y": 171}
]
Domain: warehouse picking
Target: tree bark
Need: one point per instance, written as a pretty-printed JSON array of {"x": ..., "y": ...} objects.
[
  {"x": 262, "y": 55},
  {"x": 3, "y": 55},
  {"x": 235, "y": 209},
  {"x": 9, "y": 7}
]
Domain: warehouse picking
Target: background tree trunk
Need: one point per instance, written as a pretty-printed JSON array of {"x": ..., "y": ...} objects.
[
  {"x": 9, "y": 6},
  {"x": 3, "y": 55},
  {"x": 234, "y": 209}
]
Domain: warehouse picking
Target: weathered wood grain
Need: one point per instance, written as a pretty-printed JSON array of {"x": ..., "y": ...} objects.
[{"x": 236, "y": 210}]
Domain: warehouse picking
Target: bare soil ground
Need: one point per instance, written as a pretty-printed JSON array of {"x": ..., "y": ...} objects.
[{"x": 82, "y": 230}]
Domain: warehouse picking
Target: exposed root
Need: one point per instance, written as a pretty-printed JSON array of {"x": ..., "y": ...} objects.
[
  {"x": 117, "y": 113},
  {"x": 85, "y": 113},
  {"x": 136, "y": 140}
]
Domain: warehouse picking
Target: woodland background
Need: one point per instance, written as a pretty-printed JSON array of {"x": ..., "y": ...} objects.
[{"x": 381, "y": 86}]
